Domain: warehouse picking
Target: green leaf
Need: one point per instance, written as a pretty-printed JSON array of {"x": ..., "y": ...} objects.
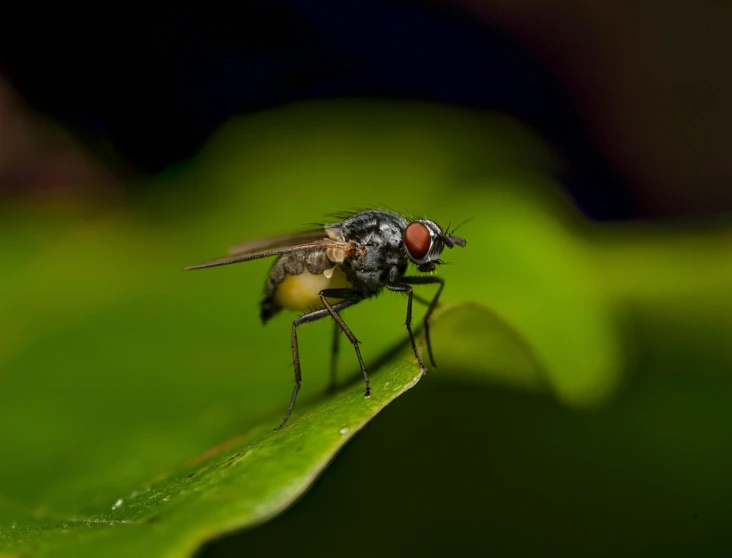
[{"x": 240, "y": 482}]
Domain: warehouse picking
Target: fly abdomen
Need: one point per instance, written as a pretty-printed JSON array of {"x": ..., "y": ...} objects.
[{"x": 296, "y": 279}]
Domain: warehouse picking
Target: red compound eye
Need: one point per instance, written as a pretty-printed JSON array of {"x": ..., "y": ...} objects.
[{"x": 417, "y": 239}]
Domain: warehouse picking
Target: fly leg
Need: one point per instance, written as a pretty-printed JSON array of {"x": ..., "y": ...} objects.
[
  {"x": 407, "y": 289},
  {"x": 334, "y": 357},
  {"x": 430, "y": 308},
  {"x": 353, "y": 297},
  {"x": 304, "y": 319}
]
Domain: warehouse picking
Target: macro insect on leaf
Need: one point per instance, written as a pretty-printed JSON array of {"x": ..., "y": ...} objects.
[{"x": 335, "y": 266}]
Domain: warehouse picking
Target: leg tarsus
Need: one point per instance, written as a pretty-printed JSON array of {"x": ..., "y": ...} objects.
[
  {"x": 429, "y": 343},
  {"x": 292, "y": 406}
]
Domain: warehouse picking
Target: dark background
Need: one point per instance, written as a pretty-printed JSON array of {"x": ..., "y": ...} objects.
[{"x": 633, "y": 96}]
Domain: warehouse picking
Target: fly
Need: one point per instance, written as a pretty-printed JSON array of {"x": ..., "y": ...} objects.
[{"x": 326, "y": 270}]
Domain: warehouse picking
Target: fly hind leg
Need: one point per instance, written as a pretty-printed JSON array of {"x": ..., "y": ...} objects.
[{"x": 304, "y": 319}]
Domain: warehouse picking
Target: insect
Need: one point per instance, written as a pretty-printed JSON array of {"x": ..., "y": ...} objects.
[{"x": 335, "y": 266}]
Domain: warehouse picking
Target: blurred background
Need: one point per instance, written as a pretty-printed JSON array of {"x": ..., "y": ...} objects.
[{"x": 589, "y": 143}]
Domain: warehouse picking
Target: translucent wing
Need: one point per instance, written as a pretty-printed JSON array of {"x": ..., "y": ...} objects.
[
  {"x": 276, "y": 245},
  {"x": 282, "y": 241}
]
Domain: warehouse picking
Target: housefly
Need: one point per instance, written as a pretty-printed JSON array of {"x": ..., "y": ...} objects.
[{"x": 335, "y": 266}]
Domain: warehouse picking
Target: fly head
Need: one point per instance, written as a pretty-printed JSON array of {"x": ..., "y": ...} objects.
[{"x": 425, "y": 240}]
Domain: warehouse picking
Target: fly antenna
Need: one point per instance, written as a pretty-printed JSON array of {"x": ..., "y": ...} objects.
[
  {"x": 454, "y": 240},
  {"x": 451, "y": 240},
  {"x": 453, "y": 231}
]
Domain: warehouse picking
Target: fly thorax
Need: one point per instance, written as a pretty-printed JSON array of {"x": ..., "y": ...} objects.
[{"x": 397, "y": 272}]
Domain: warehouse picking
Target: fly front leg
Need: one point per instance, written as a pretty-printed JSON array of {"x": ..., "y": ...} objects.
[
  {"x": 407, "y": 289},
  {"x": 430, "y": 308},
  {"x": 304, "y": 319},
  {"x": 354, "y": 296}
]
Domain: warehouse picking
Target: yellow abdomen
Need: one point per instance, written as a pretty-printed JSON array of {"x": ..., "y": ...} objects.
[{"x": 301, "y": 292}]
